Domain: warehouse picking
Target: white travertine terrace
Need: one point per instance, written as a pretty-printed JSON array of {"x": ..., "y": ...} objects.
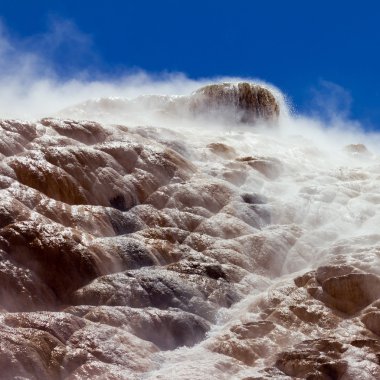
[{"x": 186, "y": 253}]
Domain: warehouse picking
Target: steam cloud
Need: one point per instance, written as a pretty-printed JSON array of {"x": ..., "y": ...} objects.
[{"x": 45, "y": 73}]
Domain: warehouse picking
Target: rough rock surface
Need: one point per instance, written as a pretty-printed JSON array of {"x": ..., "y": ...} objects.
[
  {"x": 249, "y": 103},
  {"x": 130, "y": 253}
]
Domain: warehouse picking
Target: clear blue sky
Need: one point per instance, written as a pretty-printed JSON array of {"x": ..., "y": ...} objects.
[{"x": 297, "y": 45}]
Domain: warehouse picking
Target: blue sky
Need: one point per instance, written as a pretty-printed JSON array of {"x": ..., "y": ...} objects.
[{"x": 323, "y": 54}]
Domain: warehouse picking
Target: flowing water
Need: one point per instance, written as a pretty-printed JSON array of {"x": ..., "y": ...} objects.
[{"x": 198, "y": 248}]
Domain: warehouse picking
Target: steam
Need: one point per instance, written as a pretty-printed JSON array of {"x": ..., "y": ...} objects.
[
  {"x": 58, "y": 70},
  {"x": 42, "y": 74}
]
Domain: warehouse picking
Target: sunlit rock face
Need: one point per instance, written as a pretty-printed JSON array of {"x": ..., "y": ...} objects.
[
  {"x": 189, "y": 252},
  {"x": 249, "y": 103}
]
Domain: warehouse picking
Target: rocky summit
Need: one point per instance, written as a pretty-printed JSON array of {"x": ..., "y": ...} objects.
[
  {"x": 187, "y": 252},
  {"x": 249, "y": 103}
]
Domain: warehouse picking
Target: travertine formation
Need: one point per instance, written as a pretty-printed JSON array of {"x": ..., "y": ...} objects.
[
  {"x": 249, "y": 103},
  {"x": 224, "y": 103},
  {"x": 140, "y": 253}
]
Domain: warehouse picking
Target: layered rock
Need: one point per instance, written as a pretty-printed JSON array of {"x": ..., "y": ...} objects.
[
  {"x": 241, "y": 102},
  {"x": 130, "y": 253},
  {"x": 120, "y": 232}
]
